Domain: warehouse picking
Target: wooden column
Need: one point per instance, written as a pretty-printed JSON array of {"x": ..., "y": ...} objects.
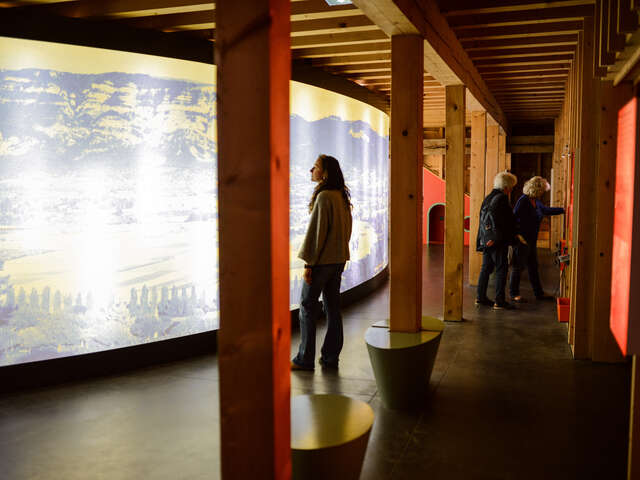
[
  {"x": 491, "y": 168},
  {"x": 557, "y": 186},
  {"x": 454, "y": 202},
  {"x": 583, "y": 259},
  {"x": 502, "y": 151},
  {"x": 476, "y": 187},
  {"x": 507, "y": 161},
  {"x": 253, "y": 186},
  {"x": 604, "y": 347},
  {"x": 405, "y": 238}
]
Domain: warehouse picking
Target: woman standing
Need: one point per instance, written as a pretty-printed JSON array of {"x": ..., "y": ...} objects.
[
  {"x": 529, "y": 211},
  {"x": 325, "y": 250}
]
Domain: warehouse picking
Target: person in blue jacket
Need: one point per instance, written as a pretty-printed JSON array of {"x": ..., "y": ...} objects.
[{"x": 529, "y": 212}]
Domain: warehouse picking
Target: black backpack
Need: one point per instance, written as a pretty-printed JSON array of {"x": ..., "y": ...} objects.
[{"x": 487, "y": 230}]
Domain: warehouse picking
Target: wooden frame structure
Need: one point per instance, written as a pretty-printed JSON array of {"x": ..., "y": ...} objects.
[{"x": 571, "y": 62}]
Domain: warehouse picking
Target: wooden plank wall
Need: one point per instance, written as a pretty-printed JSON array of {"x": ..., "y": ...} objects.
[
  {"x": 405, "y": 245},
  {"x": 454, "y": 206}
]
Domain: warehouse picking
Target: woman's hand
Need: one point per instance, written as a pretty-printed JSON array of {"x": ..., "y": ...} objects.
[{"x": 307, "y": 275}]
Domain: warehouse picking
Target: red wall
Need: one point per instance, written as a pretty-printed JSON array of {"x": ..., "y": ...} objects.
[{"x": 433, "y": 192}]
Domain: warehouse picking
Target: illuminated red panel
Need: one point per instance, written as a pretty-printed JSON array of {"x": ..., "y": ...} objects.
[{"x": 624, "y": 331}]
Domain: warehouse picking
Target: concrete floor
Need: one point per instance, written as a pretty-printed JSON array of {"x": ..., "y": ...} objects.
[{"x": 507, "y": 402}]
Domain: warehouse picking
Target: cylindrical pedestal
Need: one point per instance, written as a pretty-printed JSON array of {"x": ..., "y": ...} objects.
[
  {"x": 329, "y": 435},
  {"x": 402, "y": 364}
]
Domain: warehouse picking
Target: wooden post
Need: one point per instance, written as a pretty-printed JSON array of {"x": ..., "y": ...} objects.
[
  {"x": 502, "y": 151},
  {"x": 492, "y": 157},
  {"x": 584, "y": 199},
  {"x": 405, "y": 244},
  {"x": 508, "y": 161},
  {"x": 254, "y": 336},
  {"x": 557, "y": 186},
  {"x": 476, "y": 187},
  {"x": 454, "y": 202},
  {"x": 604, "y": 347}
]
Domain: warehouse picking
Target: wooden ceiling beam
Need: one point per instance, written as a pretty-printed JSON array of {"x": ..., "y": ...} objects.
[
  {"x": 522, "y": 41},
  {"x": 356, "y": 23},
  {"x": 522, "y": 52},
  {"x": 535, "y": 16},
  {"x": 511, "y": 31},
  {"x": 337, "y": 39},
  {"x": 362, "y": 67},
  {"x": 175, "y": 21},
  {"x": 347, "y": 60},
  {"x": 530, "y": 75},
  {"x": 468, "y": 7},
  {"x": 119, "y": 8},
  {"x": 542, "y": 60},
  {"x": 444, "y": 56},
  {"x": 382, "y": 46},
  {"x": 316, "y": 9}
]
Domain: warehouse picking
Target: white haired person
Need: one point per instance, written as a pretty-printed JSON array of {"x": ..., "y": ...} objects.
[
  {"x": 325, "y": 251},
  {"x": 529, "y": 212},
  {"x": 497, "y": 230}
]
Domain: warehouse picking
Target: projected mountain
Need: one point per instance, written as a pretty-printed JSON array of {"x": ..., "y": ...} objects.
[
  {"x": 108, "y": 208},
  {"x": 67, "y": 118}
]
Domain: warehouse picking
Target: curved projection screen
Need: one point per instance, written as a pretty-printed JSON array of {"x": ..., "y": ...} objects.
[{"x": 108, "y": 196}]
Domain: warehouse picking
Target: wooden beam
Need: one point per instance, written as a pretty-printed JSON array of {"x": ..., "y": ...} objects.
[
  {"x": 454, "y": 203},
  {"x": 557, "y": 184},
  {"x": 254, "y": 338},
  {"x": 467, "y": 7},
  {"x": 530, "y": 52},
  {"x": 477, "y": 189},
  {"x": 510, "y": 31},
  {"x": 315, "y": 41},
  {"x": 529, "y": 16},
  {"x": 445, "y": 59},
  {"x": 604, "y": 347},
  {"x": 405, "y": 244},
  {"x": 502, "y": 151},
  {"x": 584, "y": 220},
  {"x": 491, "y": 168},
  {"x": 381, "y": 46},
  {"x": 521, "y": 41}
]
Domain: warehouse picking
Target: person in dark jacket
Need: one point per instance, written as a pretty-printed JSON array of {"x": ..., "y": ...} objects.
[
  {"x": 529, "y": 212},
  {"x": 495, "y": 251}
]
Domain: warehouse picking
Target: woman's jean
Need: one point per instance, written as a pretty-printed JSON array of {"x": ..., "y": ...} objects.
[
  {"x": 525, "y": 256},
  {"x": 325, "y": 279}
]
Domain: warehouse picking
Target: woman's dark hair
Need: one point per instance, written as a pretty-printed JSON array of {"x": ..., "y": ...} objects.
[{"x": 332, "y": 180}]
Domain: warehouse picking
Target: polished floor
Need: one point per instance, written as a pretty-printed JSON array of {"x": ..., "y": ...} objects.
[{"x": 506, "y": 402}]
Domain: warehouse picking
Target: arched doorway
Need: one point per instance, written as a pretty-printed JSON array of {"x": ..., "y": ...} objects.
[{"x": 435, "y": 223}]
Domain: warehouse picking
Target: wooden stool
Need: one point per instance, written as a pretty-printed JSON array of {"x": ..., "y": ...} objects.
[
  {"x": 329, "y": 435},
  {"x": 402, "y": 362}
]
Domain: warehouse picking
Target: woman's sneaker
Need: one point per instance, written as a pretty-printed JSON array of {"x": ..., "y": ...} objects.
[{"x": 484, "y": 301}]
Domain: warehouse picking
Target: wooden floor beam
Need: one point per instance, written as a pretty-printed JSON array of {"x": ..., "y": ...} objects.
[{"x": 254, "y": 335}]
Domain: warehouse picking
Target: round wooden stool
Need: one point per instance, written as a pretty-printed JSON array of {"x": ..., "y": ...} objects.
[{"x": 329, "y": 435}]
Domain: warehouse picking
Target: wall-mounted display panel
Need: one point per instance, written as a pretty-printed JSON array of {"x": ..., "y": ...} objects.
[{"x": 108, "y": 196}]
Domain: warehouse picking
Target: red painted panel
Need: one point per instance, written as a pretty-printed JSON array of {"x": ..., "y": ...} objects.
[
  {"x": 432, "y": 193},
  {"x": 619, "y": 320}
]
